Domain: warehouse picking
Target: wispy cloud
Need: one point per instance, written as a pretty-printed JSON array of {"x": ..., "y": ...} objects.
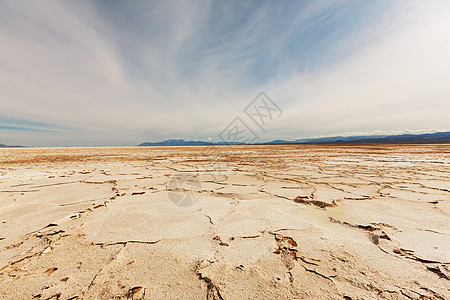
[{"x": 118, "y": 73}]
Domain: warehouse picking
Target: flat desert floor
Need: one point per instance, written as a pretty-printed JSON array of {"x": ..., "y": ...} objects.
[{"x": 247, "y": 222}]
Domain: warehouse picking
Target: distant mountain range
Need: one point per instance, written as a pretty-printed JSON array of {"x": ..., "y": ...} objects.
[
  {"x": 427, "y": 138},
  {"x": 8, "y": 146},
  {"x": 181, "y": 142},
  {"x": 176, "y": 142},
  {"x": 430, "y": 138}
]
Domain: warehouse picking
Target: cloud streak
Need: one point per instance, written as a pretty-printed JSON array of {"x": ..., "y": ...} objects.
[{"x": 119, "y": 73}]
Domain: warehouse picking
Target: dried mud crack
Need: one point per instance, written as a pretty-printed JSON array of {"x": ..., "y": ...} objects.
[{"x": 268, "y": 222}]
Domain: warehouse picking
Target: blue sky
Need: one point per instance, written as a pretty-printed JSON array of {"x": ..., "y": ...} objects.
[{"x": 76, "y": 73}]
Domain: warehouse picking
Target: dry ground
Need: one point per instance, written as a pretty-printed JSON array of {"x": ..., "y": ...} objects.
[{"x": 259, "y": 222}]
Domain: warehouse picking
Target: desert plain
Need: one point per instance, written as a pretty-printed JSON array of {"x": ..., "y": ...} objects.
[{"x": 241, "y": 222}]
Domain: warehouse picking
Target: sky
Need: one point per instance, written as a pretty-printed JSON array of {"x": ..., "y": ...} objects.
[{"x": 113, "y": 73}]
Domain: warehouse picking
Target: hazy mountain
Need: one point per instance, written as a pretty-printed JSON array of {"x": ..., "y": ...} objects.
[
  {"x": 9, "y": 146},
  {"x": 338, "y": 138},
  {"x": 438, "y": 137},
  {"x": 176, "y": 142},
  {"x": 181, "y": 142}
]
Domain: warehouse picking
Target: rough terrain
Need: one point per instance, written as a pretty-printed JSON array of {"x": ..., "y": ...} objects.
[{"x": 247, "y": 222}]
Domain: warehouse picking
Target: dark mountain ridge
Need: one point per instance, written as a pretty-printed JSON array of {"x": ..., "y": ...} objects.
[
  {"x": 9, "y": 146},
  {"x": 425, "y": 138}
]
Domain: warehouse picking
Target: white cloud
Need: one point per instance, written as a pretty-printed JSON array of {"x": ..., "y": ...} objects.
[
  {"x": 390, "y": 85},
  {"x": 103, "y": 83}
]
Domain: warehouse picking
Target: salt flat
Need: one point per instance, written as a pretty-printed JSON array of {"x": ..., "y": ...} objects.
[{"x": 247, "y": 222}]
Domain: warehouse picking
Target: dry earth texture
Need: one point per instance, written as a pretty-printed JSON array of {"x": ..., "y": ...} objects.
[{"x": 247, "y": 222}]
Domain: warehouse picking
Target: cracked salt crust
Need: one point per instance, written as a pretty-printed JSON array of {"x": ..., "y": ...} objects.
[{"x": 285, "y": 222}]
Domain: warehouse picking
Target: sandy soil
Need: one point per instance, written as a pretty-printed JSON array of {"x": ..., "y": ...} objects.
[{"x": 259, "y": 222}]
